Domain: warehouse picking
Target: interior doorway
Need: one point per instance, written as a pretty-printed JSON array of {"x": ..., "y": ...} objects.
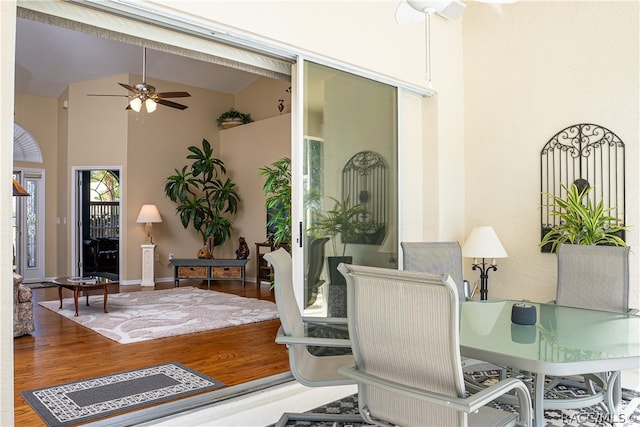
[{"x": 98, "y": 232}]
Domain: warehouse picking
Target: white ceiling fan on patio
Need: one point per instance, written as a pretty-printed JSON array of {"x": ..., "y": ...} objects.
[{"x": 410, "y": 11}]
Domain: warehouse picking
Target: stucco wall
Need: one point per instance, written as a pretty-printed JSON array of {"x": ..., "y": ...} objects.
[{"x": 576, "y": 62}]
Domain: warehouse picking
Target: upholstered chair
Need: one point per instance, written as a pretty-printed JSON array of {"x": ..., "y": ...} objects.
[{"x": 22, "y": 308}]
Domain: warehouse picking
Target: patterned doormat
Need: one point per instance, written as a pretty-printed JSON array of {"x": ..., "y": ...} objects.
[
  {"x": 86, "y": 400},
  {"x": 591, "y": 416}
]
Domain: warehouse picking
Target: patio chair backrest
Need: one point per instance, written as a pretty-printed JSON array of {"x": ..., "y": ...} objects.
[
  {"x": 595, "y": 277},
  {"x": 435, "y": 258},
  {"x": 404, "y": 328}
]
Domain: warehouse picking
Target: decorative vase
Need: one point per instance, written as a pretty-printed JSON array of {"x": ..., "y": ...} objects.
[{"x": 204, "y": 253}]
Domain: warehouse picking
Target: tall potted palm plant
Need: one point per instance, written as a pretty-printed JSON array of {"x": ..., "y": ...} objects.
[
  {"x": 206, "y": 199},
  {"x": 277, "y": 189}
]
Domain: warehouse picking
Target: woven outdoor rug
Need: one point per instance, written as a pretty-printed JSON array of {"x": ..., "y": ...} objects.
[
  {"x": 86, "y": 400},
  {"x": 591, "y": 416},
  {"x": 148, "y": 315}
]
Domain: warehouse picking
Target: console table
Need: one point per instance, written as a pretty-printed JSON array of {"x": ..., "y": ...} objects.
[{"x": 208, "y": 269}]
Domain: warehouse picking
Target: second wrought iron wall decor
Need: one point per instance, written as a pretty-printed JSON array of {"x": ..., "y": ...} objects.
[
  {"x": 588, "y": 155},
  {"x": 364, "y": 182}
]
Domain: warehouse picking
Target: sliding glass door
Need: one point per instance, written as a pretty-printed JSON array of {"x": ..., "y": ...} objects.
[{"x": 350, "y": 157}]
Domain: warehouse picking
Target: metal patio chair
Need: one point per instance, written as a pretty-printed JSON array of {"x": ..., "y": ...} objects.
[{"x": 404, "y": 329}]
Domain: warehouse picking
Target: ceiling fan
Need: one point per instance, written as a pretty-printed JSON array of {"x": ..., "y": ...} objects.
[
  {"x": 410, "y": 11},
  {"x": 145, "y": 94}
]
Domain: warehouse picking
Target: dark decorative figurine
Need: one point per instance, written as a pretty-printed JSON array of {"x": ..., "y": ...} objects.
[
  {"x": 243, "y": 250},
  {"x": 281, "y": 105}
]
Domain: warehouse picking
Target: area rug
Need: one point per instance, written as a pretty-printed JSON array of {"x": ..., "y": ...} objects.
[
  {"x": 82, "y": 401},
  {"x": 40, "y": 285},
  {"x": 590, "y": 416},
  {"x": 148, "y": 315}
]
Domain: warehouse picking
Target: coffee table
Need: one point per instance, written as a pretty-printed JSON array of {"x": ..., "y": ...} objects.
[{"x": 77, "y": 284}]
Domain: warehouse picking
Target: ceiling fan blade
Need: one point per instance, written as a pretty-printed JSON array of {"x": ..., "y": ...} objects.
[
  {"x": 129, "y": 87},
  {"x": 171, "y": 104},
  {"x": 171, "y": 95}
]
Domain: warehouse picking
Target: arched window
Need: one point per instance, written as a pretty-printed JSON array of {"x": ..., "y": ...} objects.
[{"x": 25, "y": 147}]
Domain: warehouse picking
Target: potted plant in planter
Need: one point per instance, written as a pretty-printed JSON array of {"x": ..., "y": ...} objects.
[
  {"x": 342, "y": 219},
  {"x": 204, "y": 197},
  {"x": 232, "y": 117},
  {"x": 277, "y": 189},
  {"x": 581, "y": 222}
]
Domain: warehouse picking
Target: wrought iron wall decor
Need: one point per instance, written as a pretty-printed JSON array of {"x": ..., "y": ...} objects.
[
  {"x": 588, "y": 155},
  {"x": 364, "y": 182}
]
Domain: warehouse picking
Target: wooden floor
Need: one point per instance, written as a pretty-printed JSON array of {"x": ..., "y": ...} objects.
[{"x": 61, "y": 351}]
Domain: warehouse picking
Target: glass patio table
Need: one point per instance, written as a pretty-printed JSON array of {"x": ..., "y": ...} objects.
[{"x": 564, "y": 341}]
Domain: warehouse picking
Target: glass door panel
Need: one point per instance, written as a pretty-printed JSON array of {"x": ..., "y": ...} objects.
[
  {"x": 350, "y": 153},
  {"x": 28, "y": 225}
]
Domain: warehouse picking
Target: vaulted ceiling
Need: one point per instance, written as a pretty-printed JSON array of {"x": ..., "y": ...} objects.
[{"x": 49, "y": 58}]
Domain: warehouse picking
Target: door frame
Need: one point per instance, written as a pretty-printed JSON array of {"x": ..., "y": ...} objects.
[
  {"x": 76, "y": 226},
  {"x": 39, "y": 274}
]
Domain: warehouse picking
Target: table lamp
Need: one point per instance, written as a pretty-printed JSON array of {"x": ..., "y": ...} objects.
[
  {"x": 148, "y": 215},
  {"x": 483, "y": 243},
  {"x": 390, "y": 245},
  {"x": 18, "y": 190}
]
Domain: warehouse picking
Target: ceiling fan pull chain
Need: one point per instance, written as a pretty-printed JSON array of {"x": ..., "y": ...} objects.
[{"x": 427, "y": 26}]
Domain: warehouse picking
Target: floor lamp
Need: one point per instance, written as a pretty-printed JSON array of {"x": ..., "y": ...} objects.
[
  {"x": 148, "y": 216},
  {"x": 483, "y": 243}
]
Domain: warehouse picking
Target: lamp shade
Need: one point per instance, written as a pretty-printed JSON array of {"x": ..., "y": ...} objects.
[
  {"x": 149, "y": 213},
  {"x": 150, "y": 105},
  {"x": 483, "y": 242},
  {"x": 136, "y": 104},
  {"x": 390, "y": 243},
  {"x": 18, "y": 190}
]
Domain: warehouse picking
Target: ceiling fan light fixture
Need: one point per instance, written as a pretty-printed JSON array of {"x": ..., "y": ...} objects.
[
  {"x": 136, "y": 104},
  {"x": 150, "y": 105}
]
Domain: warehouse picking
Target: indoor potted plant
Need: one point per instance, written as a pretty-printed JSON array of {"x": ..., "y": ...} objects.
[
  {"x": 581, "y": 222},
  {"x": 204, "y": 197},
  {"x": 342, "y": 219},
  {"x": 233, "y": 117},
  {"x": 277, "y": 189}
]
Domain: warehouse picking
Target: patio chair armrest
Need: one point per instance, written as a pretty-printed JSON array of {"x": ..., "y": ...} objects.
[
  {"x": 469, "y": 404},
  {"x": 281, "y": 338},
  {"x": 494, "y": 391},
  {"x": 326, "y": 320}
]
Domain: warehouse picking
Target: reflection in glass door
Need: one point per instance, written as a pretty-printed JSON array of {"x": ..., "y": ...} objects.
[{"x": 349, "y": 181}]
